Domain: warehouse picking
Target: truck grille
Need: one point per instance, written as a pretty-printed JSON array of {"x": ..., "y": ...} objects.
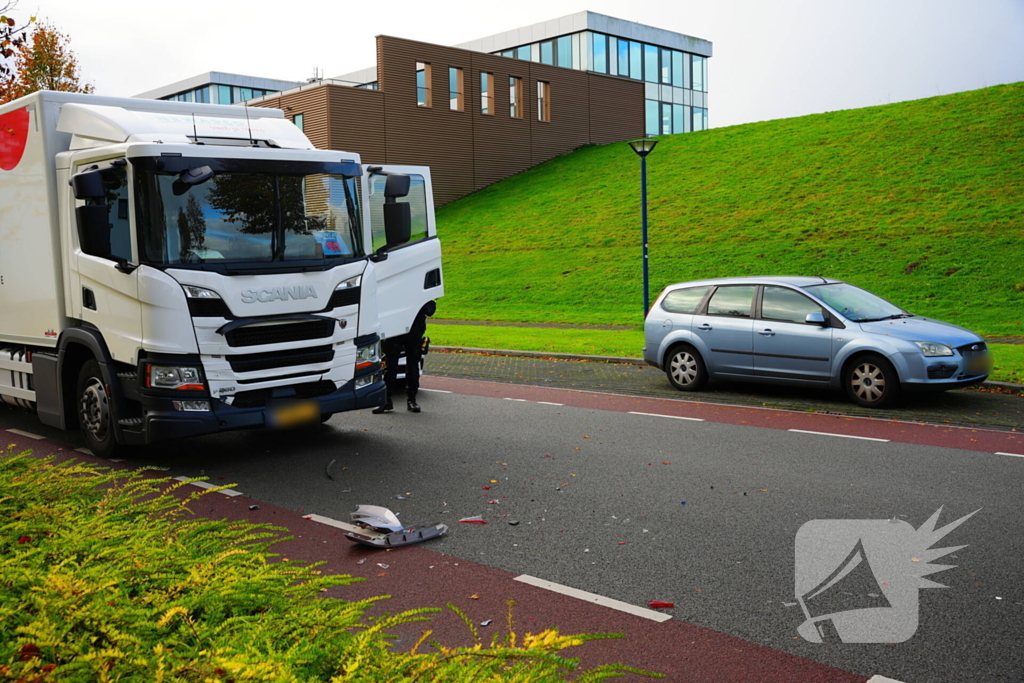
[
  {"x": 257, "y": 398},
  {"x": 278, "y": 334},
  {"x": 344, "y": 297},
  {"x": 252, "y": 362}
]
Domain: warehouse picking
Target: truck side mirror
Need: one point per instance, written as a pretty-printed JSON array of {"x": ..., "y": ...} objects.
[
  {"x": 396, "y": 186},
  {"x": 88, "y": 184},
  {"x": 94, "y": 229},
  {"x": 397, "y": 222}
]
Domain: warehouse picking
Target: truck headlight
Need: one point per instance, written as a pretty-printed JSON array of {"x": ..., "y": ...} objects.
[
  {"x": 354, "y": 281},
  {"x": 931, "y": 349},
  {"x": 367, "y": 355},
  {"x": 174, "y": 377},
  {"x": 199, "y": 293},
  {"x": 367, "y": 380}
]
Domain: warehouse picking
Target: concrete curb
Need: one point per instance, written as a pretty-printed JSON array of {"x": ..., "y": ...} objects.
[{"x": 617, "y": 359}]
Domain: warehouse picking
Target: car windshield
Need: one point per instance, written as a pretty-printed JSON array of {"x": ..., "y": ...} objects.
[
  {"x": 856, "y": 304},
  {"x": 249, "y": 218}
]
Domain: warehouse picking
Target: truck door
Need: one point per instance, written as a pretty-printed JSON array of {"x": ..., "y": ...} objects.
[
  {"x": 410, "y": 275},
  {"x": 105, "y": 296}
]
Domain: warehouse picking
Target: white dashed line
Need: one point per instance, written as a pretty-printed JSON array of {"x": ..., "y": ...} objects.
[
  {"x": 84, "y": 450},
  {"x": 28, "y": 434},
  {"x": 674, "y": 417},
  {"x": 516, "y": 399},
  {"x": 549, "y": 403},
  {"x": 208, "y": 485},
  {"x": 594, "y": 598},
  {"x": 845, "y": 436},
  {"x": 1014, "y": 455},
  {"x": 435, "y": 391}
]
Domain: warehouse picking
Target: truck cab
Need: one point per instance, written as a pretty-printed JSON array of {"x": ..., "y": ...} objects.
[{"x": 206, "y": 269}]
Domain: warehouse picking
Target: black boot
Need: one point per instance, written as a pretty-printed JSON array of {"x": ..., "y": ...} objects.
[
  {"x": 412, "y": 405},
  {"x": 386, "y": 408}
]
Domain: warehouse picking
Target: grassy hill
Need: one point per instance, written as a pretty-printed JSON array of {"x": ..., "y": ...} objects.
[{"x": 921, "y": 202}]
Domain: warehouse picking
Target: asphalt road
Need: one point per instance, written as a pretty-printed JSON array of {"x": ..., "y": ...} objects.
[{"x": 638, "y": 508}]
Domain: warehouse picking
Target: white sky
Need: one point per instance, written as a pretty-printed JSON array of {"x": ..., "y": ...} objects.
[{"x": 772, "y": 58}]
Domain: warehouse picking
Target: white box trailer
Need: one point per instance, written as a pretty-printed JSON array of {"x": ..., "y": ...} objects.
[{"x": 171, "y": 269}]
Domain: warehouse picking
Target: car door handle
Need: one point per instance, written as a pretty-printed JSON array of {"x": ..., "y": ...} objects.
[
  {"x": 705, "y": 326},
  {"x": 766, "y": 333}
]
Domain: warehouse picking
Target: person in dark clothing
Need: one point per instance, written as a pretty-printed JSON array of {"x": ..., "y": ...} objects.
[{"x": 411, "y": 344}]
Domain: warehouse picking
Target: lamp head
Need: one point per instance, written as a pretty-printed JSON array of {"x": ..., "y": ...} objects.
[{"x": 643, "y": 146}]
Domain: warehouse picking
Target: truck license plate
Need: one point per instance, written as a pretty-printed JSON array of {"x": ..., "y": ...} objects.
[{"x": 291, "y": 415}]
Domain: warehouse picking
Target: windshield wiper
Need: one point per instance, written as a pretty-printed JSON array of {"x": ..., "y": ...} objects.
[{"x": 895, "y": 316}]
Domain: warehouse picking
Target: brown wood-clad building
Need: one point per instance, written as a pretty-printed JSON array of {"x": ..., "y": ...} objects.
[{"x": 466, "y": 149}]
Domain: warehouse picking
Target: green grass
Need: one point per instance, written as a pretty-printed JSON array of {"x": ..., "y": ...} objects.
[{"x": 921, "y": 202}]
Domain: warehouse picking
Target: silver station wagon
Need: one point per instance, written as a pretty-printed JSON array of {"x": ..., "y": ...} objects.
[{"x": 806, "y": 331}]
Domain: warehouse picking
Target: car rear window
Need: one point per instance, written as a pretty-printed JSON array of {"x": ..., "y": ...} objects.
[
  {"x": 684, "y": 300},
  {"x": 732, "y": 301}
]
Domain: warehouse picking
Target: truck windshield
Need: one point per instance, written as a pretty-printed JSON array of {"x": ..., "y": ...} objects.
[{"x": 243, "y": 217}]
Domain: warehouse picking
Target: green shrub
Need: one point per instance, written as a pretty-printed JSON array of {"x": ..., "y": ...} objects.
[{"x": 107, "y": 576}]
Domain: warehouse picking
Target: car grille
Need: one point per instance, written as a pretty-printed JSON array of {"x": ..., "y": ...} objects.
[
  {"x": 278, "y": 334},
  {"x": 251, "y": 362},
  {"x": 257, "y": 398},
  {"x": 968, "y": 350},
  {"x": 941, "y": 371}
]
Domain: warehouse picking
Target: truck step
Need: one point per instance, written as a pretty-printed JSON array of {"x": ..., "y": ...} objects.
[
  {"x": 128, "y": 376},
  {"x": 130, "y": 422}
]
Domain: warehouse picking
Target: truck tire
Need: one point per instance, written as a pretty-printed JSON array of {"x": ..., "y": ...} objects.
[{"x": 96, "y": 415}]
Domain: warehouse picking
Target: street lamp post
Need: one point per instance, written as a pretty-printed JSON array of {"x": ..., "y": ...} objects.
[{"x": 644, "y": 147}]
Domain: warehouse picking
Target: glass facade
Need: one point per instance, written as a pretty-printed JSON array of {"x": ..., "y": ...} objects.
[
  {"x": 676, "y": 81},
  {"x": 218, "y": 94}
]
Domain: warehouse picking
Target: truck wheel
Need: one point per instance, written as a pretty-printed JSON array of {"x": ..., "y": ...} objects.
[
  {"x": 96, "y": 411},
  {"x": 871, "y": 381},
  {"x": 685, "y": 369}
]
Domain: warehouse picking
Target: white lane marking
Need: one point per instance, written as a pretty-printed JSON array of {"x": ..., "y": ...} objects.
[
  {"x": 1014, "y": 455},
  {"x": 84, "y": 450},
  {"x": 593, "y": 598},
  {"x": 208, "y": 485},
  {"x": 435, "y": 391},
  {"x": 674, "y": 417},
  {"x": 515, "y": 399},
  {"x": 845, "y": 436},
  {"x": 28, "y": 434},
  {"x": 881, "y": 679},
  {"x": 549, "y": 403}
]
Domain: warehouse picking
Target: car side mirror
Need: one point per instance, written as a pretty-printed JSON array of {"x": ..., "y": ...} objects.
[{"x": 816, "y": 319}]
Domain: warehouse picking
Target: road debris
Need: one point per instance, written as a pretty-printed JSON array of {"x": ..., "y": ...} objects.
[
  {"x": 660, "y": 604},
  {"x": 486, "y": 622},
  {"x": 254, "y": 507},
  {"x": 329, "y": 475},
  {"x": 477, "y": 519},
  {"x": 514, "y": 522}
]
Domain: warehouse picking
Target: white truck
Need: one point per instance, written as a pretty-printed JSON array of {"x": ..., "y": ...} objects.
[{"x": 171, "y": 269}]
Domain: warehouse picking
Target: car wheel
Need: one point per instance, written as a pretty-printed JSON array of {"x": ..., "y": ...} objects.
[
  {"x": 96, "y": 411},
  {"x": 685, "y": 369},
  {"x": 871, "y": 381}
]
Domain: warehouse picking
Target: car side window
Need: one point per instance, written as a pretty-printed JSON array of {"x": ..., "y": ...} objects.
[
  {"x": 779, "y": 303},
  {"x": 684, "y": 300},
  {"x": 734, "y": 301}
]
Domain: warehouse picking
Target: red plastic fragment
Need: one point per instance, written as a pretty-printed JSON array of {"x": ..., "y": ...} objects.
[
  {"x": 660, "y": 604},
  {"x": 22, "y": 540}
]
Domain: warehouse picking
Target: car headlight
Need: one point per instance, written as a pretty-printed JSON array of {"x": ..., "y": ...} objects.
[
  {"x": 199, "y": 293},
  {"x": 932, "y": 349},
  {"x": 367, "y": 355},
  {"x": 354, "y": 281},
  {"x": 173, "y": 377}
]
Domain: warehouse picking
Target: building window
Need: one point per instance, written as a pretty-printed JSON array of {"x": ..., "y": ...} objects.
[
  {"x": 700, "y": 73},
  {"x": 677, "y": 68},
  {"x": 666, "y": 118},
  {"x": 523, "y": 52},
  {"x": 543, "y": 101},
  {"x": 299, "y": 121},
  {"x": 547, "y": 52},
  {"x": 651, "y": 123},
  {"x": 650, "y": 63},
  {"x": 565, "y": 52},
  {"x": 455, "y": 89},
  {"x": 423, "y": 95},
  {"x": 636, "y": 64},
  {"x": 700, "y": 118},
  {"x": 515, "y": 97},
  {"x": 223, "y": 94},
  {"x": 677, "y": 118},
  {"x": 486, "y": 93},
  {"x": 666, "y": 66},
  {"x": 623, "y": 48},
  {"x": 600, "y": 53}
]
